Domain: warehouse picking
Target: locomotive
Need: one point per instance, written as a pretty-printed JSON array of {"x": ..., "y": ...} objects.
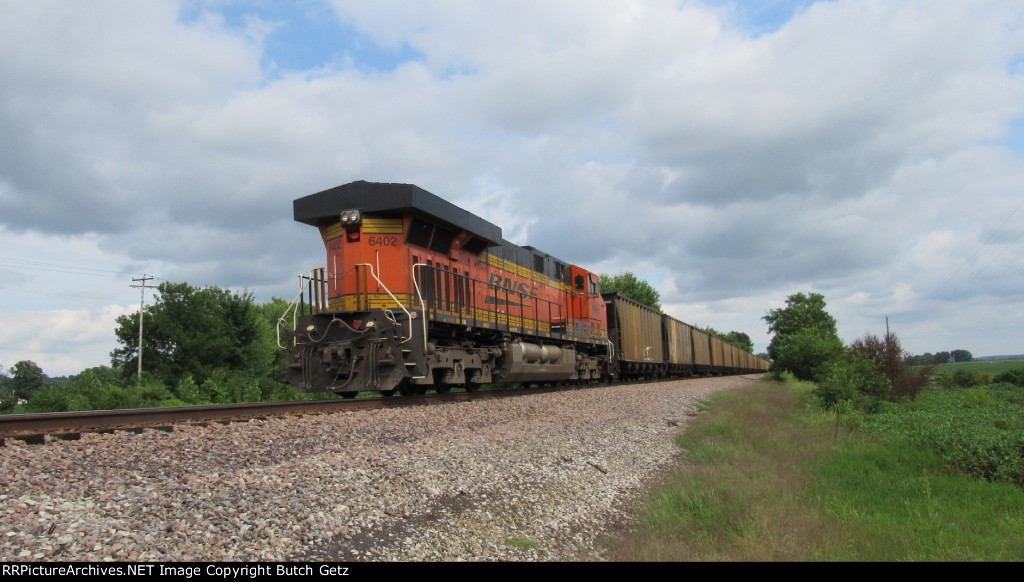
[{"x": 420, "y": 294}]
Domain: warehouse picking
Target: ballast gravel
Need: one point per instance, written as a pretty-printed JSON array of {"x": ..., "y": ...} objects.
[{"x": 537, "y": 477}]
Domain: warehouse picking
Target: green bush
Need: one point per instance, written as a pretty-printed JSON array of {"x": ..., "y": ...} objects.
[
  {"x": 99, "y": 388},
  {"x": 226, "y": 386},
  {"x": 805, "y": 353},
  {"x": 49, "y": 398},
  {"x": 977, "y": 397},
  {"x": 274, "y": 391},
  {"x": 7, "y": 398},
  {"x": 854, "y": 379},
  {"x": 187, "y": 391},
  {"x": 910, "y": 382},
  {"x": 962, "y": 378},
  {"x": 1015, "y": 377}
]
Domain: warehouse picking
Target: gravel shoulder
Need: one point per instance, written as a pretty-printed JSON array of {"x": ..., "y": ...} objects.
[{"x": 542, "y": 477}]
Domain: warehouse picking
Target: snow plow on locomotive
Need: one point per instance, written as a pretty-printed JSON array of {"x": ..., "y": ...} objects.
[{"x": 419, "y": 294}]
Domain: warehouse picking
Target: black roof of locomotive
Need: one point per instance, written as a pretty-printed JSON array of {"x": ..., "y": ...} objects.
[{"x": 369, "y": 197}]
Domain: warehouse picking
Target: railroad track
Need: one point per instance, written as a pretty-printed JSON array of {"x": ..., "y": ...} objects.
[{"x": 35, "y": 428}]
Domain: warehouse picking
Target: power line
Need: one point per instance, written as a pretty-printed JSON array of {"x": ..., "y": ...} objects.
[
  {"x": 55, "y": 267},
  {"x": 995, "y": 258},
  {"x": 971, "y": 262}
]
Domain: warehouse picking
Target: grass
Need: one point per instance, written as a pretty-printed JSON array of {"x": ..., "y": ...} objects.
[
  {"x": 520, "y": 542},
  {"x": 770, "y": 477}
]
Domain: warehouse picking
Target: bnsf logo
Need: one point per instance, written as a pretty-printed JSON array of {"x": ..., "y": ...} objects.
[{"x": 497, "y": 281}]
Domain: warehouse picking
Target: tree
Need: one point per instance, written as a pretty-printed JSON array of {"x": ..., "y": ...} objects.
[
  {"x": 852, "y": 378},
  {"x": 192, "y": 331},
  {"x": 893, "y": 363},
  {"x": 274, "y": 361},
  {"x": 925, "y": 359},
  {"x": 740, "y": 340},
  {"x": 805, "y": 352},
  {"x": 26, "y": 378},
  {"x": 805, "y": 337},
  {"x": 7, "y": 399},
  {"x": 736, "y": 338},
  {"x": 629, "y": 285},
  {"x": 801, "y": 312},
  {"x": 886, "y": 354},
  {"x": 962, "y": 356},
  {"x": 929, "y": 358}
]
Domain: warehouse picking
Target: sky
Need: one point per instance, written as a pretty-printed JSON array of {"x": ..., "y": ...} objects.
[{"x": 730, "y": 153}]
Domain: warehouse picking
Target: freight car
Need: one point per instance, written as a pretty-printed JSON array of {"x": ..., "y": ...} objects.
[
  {"x": 650, "y": 344},
  {"x": 419, "y": 294}
]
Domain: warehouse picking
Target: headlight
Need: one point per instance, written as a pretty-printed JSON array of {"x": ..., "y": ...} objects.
[{"x": 350, "y": 218}]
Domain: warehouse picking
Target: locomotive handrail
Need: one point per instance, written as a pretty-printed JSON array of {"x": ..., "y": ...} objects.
[
  {"x": 390, "y": 294},
  {"x": 291, "y": 307},
  {"x": 304, "y": 283},
  {"x": 423, "y": 304}
]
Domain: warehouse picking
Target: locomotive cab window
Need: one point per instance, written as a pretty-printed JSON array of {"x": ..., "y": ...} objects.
[
  {"x": 419, "y": 233},
  {"x": 442, "y": 241},
  {"x": 426, "y": 235},
  {"x": 580, "y": 283},
  {"x": 475, "y": 246}
]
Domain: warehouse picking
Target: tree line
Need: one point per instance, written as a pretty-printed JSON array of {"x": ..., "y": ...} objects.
[
  {"x": 207, "y": 345},
  {"x": 955, "y": 356},
  {"x": 201, "y": 345}
]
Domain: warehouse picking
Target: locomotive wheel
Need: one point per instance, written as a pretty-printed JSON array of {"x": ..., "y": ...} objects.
[
  {"x": 387, "y": 393},
  {"x": 348, "y": 395}
]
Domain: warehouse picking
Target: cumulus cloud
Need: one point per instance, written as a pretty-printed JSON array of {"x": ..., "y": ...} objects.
[
  {"x": 60, "y": 340},
  {"x": 733, "y": 154}
]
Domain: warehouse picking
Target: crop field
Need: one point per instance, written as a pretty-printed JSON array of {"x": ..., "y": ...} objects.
[
  {"x": 992, "y": 367},
  {"x": 771, "y": 477}
]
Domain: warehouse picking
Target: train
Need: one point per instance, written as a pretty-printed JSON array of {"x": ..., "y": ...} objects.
[{"x": 418, "y": 294}]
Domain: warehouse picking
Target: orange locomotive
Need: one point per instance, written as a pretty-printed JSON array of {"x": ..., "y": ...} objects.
[{"x": 418, "y": 293}]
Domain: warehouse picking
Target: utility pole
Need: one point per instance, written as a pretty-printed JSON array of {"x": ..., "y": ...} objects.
[{"x": 142, "y": 302}]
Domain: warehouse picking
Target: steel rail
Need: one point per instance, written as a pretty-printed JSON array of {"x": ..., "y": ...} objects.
[{"x": 33, "y": 428}]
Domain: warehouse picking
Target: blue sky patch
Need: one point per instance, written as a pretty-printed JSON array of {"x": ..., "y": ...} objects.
[
  {"x": 305, "y": 35},
  {"x": 763, "y": 16},
  {"x": 1014, "y": 138}
]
